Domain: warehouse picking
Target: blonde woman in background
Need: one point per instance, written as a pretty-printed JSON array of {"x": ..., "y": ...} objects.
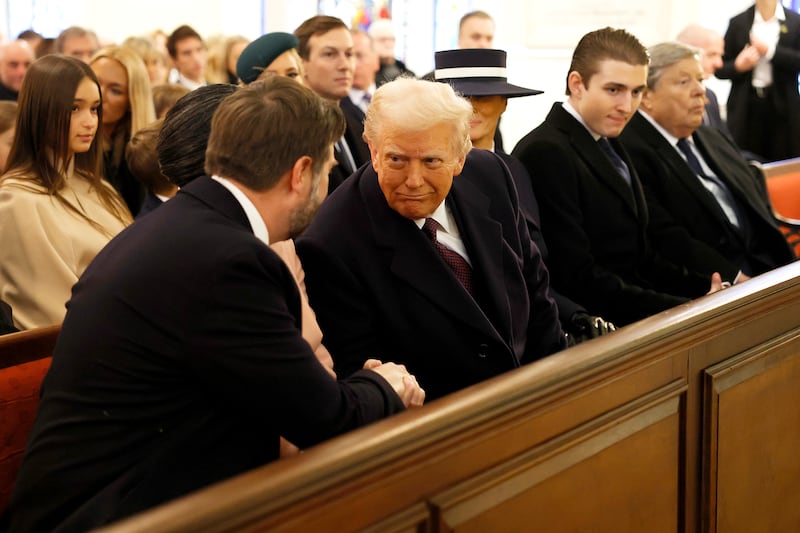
[
  {"x": 153, "y": 57},
  {"x": 127, "y": 108},
  {"x": 223, "y": 53},
  {"x": 56, "y": 211}
]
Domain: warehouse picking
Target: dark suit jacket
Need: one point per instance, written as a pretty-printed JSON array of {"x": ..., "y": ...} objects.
[
  {"x": 530, "y": 210},
  {"x": 380, "y": 289},
  {"x": 785, "y": 68},
  {"x": 151, "y": 202},
  {"x": 179, "y": 363},
  {"x": 695, "y": 230},
  {"x": 353, "y": 136},
  {"x": 596, "y": 226},
  {"x": 712, "y": 115}
]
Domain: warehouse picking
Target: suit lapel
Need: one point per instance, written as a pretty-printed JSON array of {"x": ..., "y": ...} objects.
[
  {"x": 740, "y": 182},
  {"x": 483, "y": 238},
  {"x": 678, "y": 167},
  {"x": 593, "y": 157},
  {"x": 414, "y": 260}
]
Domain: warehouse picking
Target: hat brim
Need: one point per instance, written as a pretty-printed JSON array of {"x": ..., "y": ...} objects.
[{"x": 488, "y": 87}]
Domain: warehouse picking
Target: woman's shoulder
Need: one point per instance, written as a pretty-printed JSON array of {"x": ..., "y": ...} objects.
[{"x": 19, "y": 188}]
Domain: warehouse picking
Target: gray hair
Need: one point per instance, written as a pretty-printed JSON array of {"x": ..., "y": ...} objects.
[
  {"x": 664, "y": 55},
  {"x": 417, "y": 105}
]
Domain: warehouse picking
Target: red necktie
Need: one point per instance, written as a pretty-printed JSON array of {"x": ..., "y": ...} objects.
[{"x": 457, "y": 264}]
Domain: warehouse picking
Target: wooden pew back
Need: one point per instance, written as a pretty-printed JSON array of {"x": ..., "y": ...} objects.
[{"x": 686, "y": 421}]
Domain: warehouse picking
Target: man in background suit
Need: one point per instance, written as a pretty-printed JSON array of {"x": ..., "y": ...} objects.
[
  {"x": 326, "y": 49},
  {"x": 762, "y": 60},
  {"x": 355, "y": 104},
  {"x": 181, "y": 360},
  {"x": 424, "y": 257},
  {"x": 718, "y": 214},
  {"x": 593, "y": 212},
  {"x": 711, "y": 45}
]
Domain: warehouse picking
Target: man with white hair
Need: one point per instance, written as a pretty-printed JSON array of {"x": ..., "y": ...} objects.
[
  {"x": 424, "y": 257},
  {"x": 15, "y": 58}
]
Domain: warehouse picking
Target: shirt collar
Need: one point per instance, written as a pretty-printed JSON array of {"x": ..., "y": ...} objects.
[
  {"x": 779, "y": 14},
  {"x": 191, "y": 85},
  {"x": 671, "y": 139},
  {"x": 574, "y": 112},
  {"x": 440, "y": 215},
  {"x": 257, "y": 224}
]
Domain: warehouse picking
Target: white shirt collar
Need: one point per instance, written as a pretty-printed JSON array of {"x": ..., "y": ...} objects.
[
  {"x": 671, "y": 139},
  {"x": 574, "y": 112},
  {"x": 189, "y": 84},
  {"x": 256, "y": 222},
  {"x": 442, "y": 216},
  {"x": 779, "y": 14}
]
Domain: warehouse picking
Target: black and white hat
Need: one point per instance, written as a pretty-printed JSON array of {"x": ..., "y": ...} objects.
[{"x": 477, "y": 72}]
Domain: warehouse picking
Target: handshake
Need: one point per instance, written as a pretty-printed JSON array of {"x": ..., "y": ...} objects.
[{"x": 403, "y": 383}]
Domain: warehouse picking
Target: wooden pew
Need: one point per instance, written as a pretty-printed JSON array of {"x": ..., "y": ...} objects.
[
  {"x": 686, "y": 421},
  {"x": 24, "y": 360}
]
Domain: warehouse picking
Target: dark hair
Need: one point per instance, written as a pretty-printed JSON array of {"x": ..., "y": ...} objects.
[
  {"x": 317, "y": 25},
  {"x": 184, "y": 134},
  {"x": 46, "y": 46},
  {"x": 259, "y": 133},
  {"x": 29, "y": 34},
  {"x": 606, "y": 43},
  {"x": 41, "y": 142},
  {"x": 180, "y": 33},
  {"x": 69, "y": 33},
  {"x": 142, "y": 159}
]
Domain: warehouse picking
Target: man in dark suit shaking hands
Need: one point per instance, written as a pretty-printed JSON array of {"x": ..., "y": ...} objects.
[
  {"x": 181, "y": 358},
  {"x": 593, "y": 212},
  {"x": 424, "y": 257}
]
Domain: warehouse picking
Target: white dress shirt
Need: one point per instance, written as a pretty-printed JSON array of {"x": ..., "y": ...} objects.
[{"x": 767, "y": 31}]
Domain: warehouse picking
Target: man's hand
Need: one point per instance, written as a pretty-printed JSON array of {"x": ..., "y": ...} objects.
[
  {"x": 717, "y": 284},
  {"x": 583, "y": 327},
  {"x": 746, "y": 59},
  {"x": 403, "y": 383}
]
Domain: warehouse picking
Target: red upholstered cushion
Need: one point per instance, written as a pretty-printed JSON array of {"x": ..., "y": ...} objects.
[
  {"x": 19, "y": 398},
  {"x": 784, "y": 193}
]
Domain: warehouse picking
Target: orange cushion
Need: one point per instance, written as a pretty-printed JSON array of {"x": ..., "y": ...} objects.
[{"x": 784, "y": 193}]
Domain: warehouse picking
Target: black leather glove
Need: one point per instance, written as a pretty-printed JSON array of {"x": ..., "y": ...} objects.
[{"x": 583, "y": 327}]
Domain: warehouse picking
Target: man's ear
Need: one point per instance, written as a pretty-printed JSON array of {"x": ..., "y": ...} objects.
[
  {"x": 647, "y": 100},
  {"x": 373, "y": 154},
  {"x": 301, "y": 173},
  {"x": 459, "y": 166},
  {"x": 575, "y": 84}
]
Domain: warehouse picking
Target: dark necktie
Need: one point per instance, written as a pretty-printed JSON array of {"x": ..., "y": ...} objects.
[
  {"x": 694, "y": 163},
  {"x": 616, "y": 160},
  {"x": 727, "y": 199},
  {"x": 457, "y": 264},
  {"x": 345, "y": 156}
]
